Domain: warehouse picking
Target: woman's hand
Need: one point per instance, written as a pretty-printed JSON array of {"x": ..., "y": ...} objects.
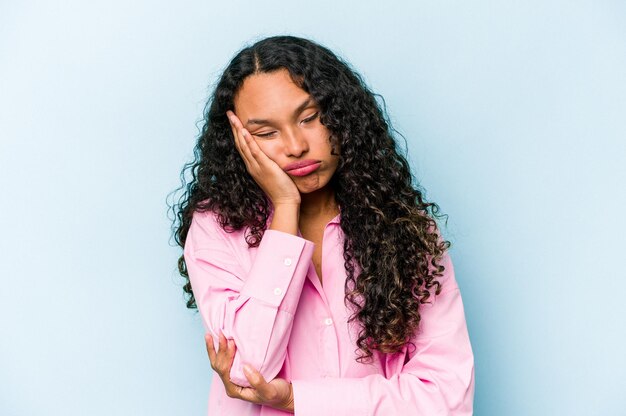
[
  {"x": 278, "y": 393},
  {"x": 274, "y": 181}
]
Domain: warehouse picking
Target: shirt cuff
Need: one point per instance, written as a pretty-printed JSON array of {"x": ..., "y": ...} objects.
[{"x": 280, "y": 258}]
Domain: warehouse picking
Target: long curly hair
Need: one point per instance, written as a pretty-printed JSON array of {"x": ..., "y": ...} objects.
[{"x": 392, "y": 244}]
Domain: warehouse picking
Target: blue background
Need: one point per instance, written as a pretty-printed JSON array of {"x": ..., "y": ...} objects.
[{"x": 515, "y": 116}]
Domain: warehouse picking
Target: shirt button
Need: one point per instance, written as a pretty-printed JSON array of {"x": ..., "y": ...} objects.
[
  {"x": 287, "y": 261},
  {"x": 278, "y": 291},
  {"x": 328, "y": 321}
]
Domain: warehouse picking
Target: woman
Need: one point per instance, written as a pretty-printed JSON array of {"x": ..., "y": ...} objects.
[{"x": 323, "y": 282}]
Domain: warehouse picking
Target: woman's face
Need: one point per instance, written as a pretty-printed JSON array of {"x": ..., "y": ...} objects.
[{"x": 285, "y": 122}]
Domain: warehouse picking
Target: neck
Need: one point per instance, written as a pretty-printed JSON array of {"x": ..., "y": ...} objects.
[{"x": 319, "y": 203}]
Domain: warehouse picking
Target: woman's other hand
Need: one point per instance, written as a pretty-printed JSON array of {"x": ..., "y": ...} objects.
[
  {"x": 278, "y": 393},
  {"x": 274, "y": 181}
]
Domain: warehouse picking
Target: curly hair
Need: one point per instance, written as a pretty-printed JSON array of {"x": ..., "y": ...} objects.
[{"x": 391, "y": 235}]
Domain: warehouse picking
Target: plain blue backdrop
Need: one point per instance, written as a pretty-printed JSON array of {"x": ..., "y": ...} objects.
[{"x": 515, "y": 119}]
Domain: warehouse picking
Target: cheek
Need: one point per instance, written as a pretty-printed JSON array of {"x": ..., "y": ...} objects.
[
  {"x": 319, "y": 136},
  {"x": 269, "y": 148}
]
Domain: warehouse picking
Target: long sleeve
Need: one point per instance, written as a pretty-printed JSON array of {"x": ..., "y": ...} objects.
[
  {"x": 253, "y": 307},
  {"x": 436, "y": 379}
]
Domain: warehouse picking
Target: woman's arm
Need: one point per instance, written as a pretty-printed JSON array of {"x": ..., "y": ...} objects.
[
  {"x": 437, "y": 379},
  {"x": 253, "y": 307}
]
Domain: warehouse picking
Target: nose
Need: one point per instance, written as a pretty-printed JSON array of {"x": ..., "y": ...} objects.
[{"x": 295, "y": 143}]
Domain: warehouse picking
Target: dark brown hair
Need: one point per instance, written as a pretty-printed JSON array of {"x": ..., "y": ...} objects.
[{"x": 390, "y": 230}]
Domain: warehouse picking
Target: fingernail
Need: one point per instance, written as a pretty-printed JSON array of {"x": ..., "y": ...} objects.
[{"x": 247, "y": 368}]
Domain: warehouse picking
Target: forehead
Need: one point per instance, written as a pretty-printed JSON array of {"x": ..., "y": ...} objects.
[{"x": 266, "y": 94}]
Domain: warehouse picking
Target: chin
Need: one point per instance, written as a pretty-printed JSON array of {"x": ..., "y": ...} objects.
[{"x": 306, "y": 188}]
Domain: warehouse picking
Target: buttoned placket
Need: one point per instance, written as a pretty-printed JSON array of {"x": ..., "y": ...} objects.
[
  {"x": 287, "y": 261},
  {"x": 328, "y": 343}
]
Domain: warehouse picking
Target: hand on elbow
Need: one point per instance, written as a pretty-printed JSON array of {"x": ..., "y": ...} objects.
[{"x": 277, "y": 393}]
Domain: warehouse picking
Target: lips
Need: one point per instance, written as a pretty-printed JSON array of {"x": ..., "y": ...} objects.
[
  {"x": 305, "y": 170},
  {"x": 300, "y": 164}
]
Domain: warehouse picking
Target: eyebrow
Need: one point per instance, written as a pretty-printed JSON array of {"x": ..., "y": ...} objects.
[{"x": 298, "y": 110}]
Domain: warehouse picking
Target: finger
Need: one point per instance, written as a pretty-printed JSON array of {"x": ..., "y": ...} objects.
[
  {"x": 232, "y": 348},
  {"x": 236, "y": 391},
  {"x": 244, "y": 135},
  {"x": 234, "y": 126},
  {"x": 246, "y": 142},
  {"x": 255, "y": 378},
  {"x": 253, "y": 148},
  {"x": 245, "y": 393},
  {"x": 240, "y": 141},
  {"x": 232, "y": 390},
  {"x": 222, "y": 343},
  {"x": 234, "y": 120},
  {"x": 264, "y": 390},
  {"x": 250, "y": 395},
  {"x": 208, "y": 340},
  {"x": 232, "y": 117},
  {"x": 236, "y": 137}
]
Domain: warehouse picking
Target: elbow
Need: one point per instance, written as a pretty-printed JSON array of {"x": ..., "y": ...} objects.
[
  {"x": 451, "y": 392},
  {"x": 268, "y": 369},
  {"x": 238, "y": 377}
]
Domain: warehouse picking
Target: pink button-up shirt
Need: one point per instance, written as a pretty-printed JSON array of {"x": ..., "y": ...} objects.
[{"x": 269, "y": 300}]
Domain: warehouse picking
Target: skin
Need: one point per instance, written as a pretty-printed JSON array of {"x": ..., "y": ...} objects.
[
  {"x": 278, "y": 393},
  {"x": 287, "y": 136},
  {"x": 289, "y": 132}
]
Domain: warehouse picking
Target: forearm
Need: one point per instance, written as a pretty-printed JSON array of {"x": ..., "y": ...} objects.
[
  {"x": 250, "y": 297},
  {"x": 436, "y": 377},
  {"x": 261, "y": 334},
  {"x": 258, "y": 314},
  {"x": 419, "y": 393},
  {"x": 286, "y": 218}
]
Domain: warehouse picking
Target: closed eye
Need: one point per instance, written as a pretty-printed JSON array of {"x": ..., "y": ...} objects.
[
  {"x": 311, "y": 118},
  {"x": 271, "y": 133}
]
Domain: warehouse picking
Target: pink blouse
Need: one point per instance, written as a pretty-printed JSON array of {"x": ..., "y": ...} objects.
[{"x": 269, "y": 300}]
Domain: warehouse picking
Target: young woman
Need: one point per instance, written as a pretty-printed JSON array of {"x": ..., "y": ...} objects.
[{"x": 322, "y": 278}]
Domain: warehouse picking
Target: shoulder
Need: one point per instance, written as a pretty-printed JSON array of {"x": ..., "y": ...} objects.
[
  {"x": 447, "y": 279},
  {"x": 205, "y": 224},
  {"x": 206, "y": 231}
]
